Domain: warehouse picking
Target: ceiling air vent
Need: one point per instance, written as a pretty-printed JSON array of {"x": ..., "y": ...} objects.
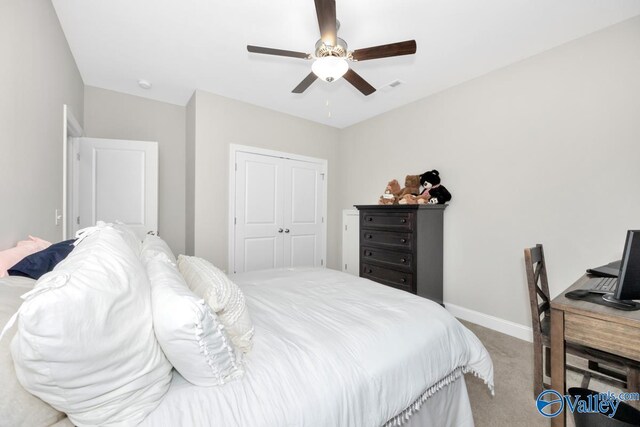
[{"x": 390, "y": 86}]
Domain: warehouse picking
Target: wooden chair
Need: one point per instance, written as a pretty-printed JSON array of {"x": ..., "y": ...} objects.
[{"x": 614, "y": 369}]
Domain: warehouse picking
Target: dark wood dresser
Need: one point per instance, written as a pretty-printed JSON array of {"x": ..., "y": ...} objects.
[{"x": 401, "y": 247}]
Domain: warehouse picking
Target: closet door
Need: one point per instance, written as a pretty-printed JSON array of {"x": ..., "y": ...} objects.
[
  {"x": 259, "y": 234},
  {"x": 303, "y": 210}
]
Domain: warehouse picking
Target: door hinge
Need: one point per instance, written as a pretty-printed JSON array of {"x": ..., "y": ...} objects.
[
  {"x": 345, "y": 266},
  {"x": 78, "y": 220},
  {"x": 323, "y": 219},
  {"x": 78, "y": 156},
  {"x": 322, "y": 175},
  {"x": 236, "y": 167},
  {"x": 346, "y": 227},
  {"x": 235, "y": 221},
  {"x": 321, "y": 262}
]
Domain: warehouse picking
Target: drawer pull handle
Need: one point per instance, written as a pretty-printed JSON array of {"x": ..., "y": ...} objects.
[
  {"x": 369, "y": 236},
  {"x": 367, "y": 253},
  {"x": 403, "y": 220},
  {"x": 403, "y": 280},
  {"x": 403, "y": 260},
  {"x": 403, "y": 240},
  {"x": 368, "y": 270},
  {"x": 370, "y": 218}
]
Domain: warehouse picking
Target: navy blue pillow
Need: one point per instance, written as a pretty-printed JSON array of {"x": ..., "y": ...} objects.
[{"x": 42, "y": 262}]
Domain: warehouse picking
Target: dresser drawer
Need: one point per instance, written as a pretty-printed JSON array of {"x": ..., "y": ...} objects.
[
  {"x": 395, "y": 259},
  {"x": 602, "y": 335},
  {"x": 393, "y": 278},
  {"x": 393, "y": 239},
  {"x": 400, "y": 221}
]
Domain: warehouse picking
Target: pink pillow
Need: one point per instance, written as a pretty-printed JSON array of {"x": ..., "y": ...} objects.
[{"x": 24, "y": 248}]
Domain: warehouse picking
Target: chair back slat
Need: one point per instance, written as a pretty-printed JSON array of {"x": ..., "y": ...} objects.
[{"x": 538, "y": 287}]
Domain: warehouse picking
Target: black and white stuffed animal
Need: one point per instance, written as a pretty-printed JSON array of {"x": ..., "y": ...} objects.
[{"x": 438, "y": 194}]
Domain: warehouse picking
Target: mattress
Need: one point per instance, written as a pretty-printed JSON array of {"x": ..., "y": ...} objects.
[{"x": 331, "y": 349}]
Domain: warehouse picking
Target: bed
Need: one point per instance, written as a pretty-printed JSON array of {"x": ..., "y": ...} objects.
[{"x": 329, "y": 349}]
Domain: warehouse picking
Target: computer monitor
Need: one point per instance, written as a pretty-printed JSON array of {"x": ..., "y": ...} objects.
[{"x": 628, "y": 287}]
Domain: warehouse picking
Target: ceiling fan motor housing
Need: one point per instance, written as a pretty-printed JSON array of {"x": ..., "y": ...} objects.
[{"x": 323, "y": 50}]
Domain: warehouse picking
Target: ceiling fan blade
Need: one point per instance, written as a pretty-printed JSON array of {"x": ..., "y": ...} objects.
[
  {"x": 386, "y": 50},
  {"x": 358, "y": 82},
  {"x": 304, "y": 84},
  {"x": 277, "y": 52},
  {"x": 326, "y": 11}
]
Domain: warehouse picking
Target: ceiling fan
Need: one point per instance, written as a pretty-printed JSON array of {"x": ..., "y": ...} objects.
[{"x": 331, "y": 54}]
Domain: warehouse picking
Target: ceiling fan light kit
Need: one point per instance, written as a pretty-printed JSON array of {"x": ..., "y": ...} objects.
[
  {"x": 330, "y": 68},
  {"x": 331, "y": 53}
]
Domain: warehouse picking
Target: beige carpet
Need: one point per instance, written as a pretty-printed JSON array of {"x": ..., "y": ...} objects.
[{"x": 513, "y": 403}]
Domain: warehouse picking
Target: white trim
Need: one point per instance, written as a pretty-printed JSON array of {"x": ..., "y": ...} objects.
[
  {"x": 70, "y": 128},
  {"x": 237, "y": 148},
  {"x": 507, "y": 327}
]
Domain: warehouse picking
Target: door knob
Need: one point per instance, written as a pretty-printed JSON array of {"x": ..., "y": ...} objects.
[
  {"x": 286, "y": 230},
  {"x": 280, "y": 230},
  {"x": 403, "y": 240}
]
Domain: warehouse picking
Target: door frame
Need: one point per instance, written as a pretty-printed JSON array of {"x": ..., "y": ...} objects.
[
  {"x": 71, "y": 130},
  {"x": 237, "y": 148}
]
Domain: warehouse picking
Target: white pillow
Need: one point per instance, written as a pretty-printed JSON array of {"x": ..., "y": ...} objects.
[
  {"x": 129, "y": 236},
  {"x": 155, "y": 245},
  {"x": 189, "y": 333},
  {"x": 85, "y": 342},
  {"x": 222, "y": 295},
  {"x": 17, "y": 406}
]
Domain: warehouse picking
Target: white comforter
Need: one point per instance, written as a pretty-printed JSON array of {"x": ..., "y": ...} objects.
[{"x": 331, "y": 349}]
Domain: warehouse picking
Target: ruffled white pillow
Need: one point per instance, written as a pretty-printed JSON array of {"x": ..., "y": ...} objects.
[
  {"x": 189, "y": 332},
  {"x": 222, "y": 295},
  {"x": 153, "y": 244}
]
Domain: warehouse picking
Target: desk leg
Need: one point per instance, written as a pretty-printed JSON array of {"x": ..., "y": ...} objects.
[{"x": 558, "y": 373}]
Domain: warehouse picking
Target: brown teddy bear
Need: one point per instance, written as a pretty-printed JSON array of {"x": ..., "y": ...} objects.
[
  {"x": 412, "y": 199},
  {"x": 409, "y": 194},
  {"x": 390, "y": 196},
  {"x": 411, "y": 187}
]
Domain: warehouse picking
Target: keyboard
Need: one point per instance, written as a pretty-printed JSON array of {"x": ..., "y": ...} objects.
[{"x": 602, "y": 284}]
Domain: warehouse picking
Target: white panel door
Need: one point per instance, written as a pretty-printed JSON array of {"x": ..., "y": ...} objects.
[
  {"x": 118, "y": 181},
  {"x": 259, "y": 234},
  {"x": 303, "y": 210},
  {"x": 351, "y": 241}
]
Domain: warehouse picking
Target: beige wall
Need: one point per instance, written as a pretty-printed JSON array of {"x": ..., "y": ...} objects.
[
  {"x": 220, "y": 122},
  {"x": 116, "y": 115},
  {"x": 37, "y": 76},
  {"x": 546, "y": 150}
]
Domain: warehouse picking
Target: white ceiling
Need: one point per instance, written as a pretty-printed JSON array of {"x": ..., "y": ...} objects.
[{"x": 183, "y": 45}]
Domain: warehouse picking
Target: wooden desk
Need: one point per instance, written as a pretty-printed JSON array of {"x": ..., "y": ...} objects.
[{"x": 591, "y": 325}]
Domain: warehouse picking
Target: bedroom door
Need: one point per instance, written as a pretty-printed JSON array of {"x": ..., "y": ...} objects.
[
  {"x": 303, "y": 210},
  {"x": 259, "y": 231},
  {"x": 279, "y": 213},
  {"x": 117, "y": 180}
]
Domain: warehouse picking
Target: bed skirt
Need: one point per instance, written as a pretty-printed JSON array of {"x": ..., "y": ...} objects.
[{"x": 449, "y": 407}]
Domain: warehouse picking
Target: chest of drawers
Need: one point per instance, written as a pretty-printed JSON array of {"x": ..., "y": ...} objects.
[{"x": 401, "y": 247}]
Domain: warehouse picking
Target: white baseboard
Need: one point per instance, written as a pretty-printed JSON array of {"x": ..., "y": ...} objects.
[{"x": 505, "y": 326}]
